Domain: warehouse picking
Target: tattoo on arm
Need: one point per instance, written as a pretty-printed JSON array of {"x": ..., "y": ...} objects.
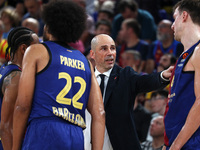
[{"x": 8, "y": 78}]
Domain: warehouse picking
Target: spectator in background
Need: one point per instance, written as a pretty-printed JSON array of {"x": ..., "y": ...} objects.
[
  {"x": 104, "y": 4},
  {"x": 129, "y": 33},
  {"x": 152, "y": 6},
  {"x": 131, "y": 58},
  {"x": 129, "y": 9},
  {"x": 103, "y": 27},
  {"x": 105, "y": 14},
  {"x": 32, "y": 24},
  {"x": 10, "y": 20},
  {"x": 165, "y": 43},
  {"x": 84, "y": 42},
  {"x": 34, "y": 11},
  {"x": 166, "y": 61},
  {"x": 142, "y": 118},
  {"x": 3, "y": 44},
  {"x": 20, "y": 9},
  {"x": 158, "y": 102},
  {"x": 157, "y": 132},
  {"x": 104, "y": 10},
  {"x": 90, "y": 6}
]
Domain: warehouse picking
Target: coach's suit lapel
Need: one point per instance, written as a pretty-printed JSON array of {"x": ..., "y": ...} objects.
[{"x": 111, "y": 84}]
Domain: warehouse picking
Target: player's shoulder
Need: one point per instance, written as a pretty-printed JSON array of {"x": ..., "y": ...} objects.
[
  {"x": 12, "y": 78},
  {"x": 197, "y": 51},
  {"x": 35, "y": 52},
  {"x": 196, "y": 55},
  {"x": 35, "y": 49},
  {"x": 14, "y": 75}
]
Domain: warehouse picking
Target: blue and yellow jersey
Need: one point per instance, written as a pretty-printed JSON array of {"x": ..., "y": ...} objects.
[
  {"x": 62, "y": 88},
  {"x": 5, "y": 70},
  {"x": 181, "y": 99}
]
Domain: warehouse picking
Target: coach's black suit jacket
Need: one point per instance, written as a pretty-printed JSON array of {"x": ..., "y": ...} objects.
[{"x": 122, "y": 88}]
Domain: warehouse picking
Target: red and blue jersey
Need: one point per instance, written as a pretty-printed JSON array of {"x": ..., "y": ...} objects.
[
  {"x": 181, "y": 99},
  {"x": 159, "y": 51},
  {"x": 62, "y": 88}
]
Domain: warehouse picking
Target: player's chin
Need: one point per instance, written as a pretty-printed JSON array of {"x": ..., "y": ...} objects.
[{"x": 176, "y": 37}]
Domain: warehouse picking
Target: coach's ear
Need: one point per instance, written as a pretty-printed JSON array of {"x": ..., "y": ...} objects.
[{"x": 92, "y": 54}]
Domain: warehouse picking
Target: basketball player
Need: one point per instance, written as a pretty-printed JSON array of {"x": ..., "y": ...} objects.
[
  {"x": 56, "y": 86},
  {"x": 18, "y": 40},
  {"x": 182, "y": 119}
]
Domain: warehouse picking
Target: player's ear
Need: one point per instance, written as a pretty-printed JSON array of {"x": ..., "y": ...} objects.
[
  {"x": 23, "y": 48},
  {"x": 185, "y": 15}
]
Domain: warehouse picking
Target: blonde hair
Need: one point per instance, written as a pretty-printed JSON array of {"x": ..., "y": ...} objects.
[{"x": 12, "y": 14}]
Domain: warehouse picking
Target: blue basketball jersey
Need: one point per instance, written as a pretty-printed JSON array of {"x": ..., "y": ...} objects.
[
  {"x": 62, "y": 88},
  {"x": 181, "y": 99},
  {"x": 5, "y": 70}
]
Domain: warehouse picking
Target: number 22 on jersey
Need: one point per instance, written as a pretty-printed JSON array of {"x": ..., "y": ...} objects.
[{"x": 74, "y": 100}]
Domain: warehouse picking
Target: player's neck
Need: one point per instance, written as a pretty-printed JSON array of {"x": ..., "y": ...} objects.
[
  {"x": 189, "y": 43},
  {"x": 17, "y": 59},
  {"x": 191, "y": 37},
  {"x": 18, "y": 63}
]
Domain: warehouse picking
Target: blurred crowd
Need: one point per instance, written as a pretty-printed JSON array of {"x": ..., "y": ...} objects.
[{"x": 144, "y": 39}]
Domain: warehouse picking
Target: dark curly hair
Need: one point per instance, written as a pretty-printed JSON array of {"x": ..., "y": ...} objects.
[
  {"x": 17, "y": 37},
  {"x": 64, "y": 19}
]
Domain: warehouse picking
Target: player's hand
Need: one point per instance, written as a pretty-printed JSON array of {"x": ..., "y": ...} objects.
[{"x": 164, "y": 148}]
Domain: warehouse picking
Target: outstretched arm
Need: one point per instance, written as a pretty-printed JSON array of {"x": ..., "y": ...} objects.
[
  {"x": 96, "y": 109},
  {"x": 154, "y": 81},
  {"x": 9, "y": 90}
]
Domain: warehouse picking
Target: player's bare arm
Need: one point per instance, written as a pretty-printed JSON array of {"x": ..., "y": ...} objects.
[
  {"x": 193, "y": 119},
  {"x": 96, "y": 109},
  {"x": 9, "y": 90},
  {"x": 30, "y": 65}
]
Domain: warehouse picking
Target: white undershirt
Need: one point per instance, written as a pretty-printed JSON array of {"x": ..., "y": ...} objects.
[{"x": 87, "y": 134}]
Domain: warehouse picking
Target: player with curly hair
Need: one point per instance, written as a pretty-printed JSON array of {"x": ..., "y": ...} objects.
[{"x": 56, "y": 86}]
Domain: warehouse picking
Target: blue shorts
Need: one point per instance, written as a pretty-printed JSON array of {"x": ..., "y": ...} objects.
[
  {"x": 1, "y": 146},
  {"x": 53, "y": 134}
]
